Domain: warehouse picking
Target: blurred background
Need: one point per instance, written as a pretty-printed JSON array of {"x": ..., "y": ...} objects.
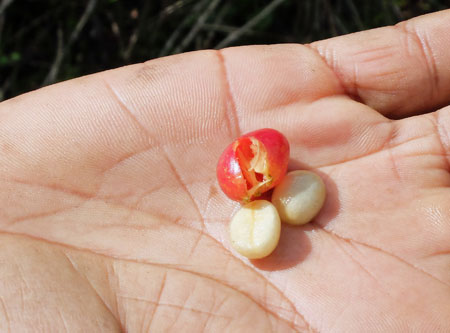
[{"x": 42, "y": 42}]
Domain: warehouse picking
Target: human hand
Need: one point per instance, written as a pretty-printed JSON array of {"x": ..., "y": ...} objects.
[{"x": 111, "y": 218}]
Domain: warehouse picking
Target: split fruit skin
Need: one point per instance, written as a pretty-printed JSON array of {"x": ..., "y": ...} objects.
[
  {"x": 255, "y": 229},
  {"x": 253, "y": 164},
  {"x": 299, "y": 197}
]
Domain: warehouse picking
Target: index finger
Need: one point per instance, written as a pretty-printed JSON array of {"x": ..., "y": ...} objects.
[{"x": 399, "y": 70}]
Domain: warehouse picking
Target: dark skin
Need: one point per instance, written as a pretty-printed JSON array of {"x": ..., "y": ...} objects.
[{"x": 111, "y": 218}]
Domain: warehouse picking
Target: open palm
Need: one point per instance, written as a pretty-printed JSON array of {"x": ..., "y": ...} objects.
[{"x": 111, "y": 218}]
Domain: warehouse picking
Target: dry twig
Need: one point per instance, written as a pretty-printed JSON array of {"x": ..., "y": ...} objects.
[
  {"x": 168, "y": 46},
  {"x": 137, "y": 32},
  {"x": 4, "y": 4},
  {"x": 197, "y": 26},
  {"x": 62, "y": 51},
  {"x": 250, "y": 24}
]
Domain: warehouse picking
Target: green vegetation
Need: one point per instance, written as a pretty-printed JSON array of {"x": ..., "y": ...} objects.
[{"x": 42, "y": 42}]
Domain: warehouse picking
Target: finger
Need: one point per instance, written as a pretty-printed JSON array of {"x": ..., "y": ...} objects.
[
  {"x": 399, "y": 70},
  {"x": 442, "y": 121},
  {"x": 264, "y": 81}
]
